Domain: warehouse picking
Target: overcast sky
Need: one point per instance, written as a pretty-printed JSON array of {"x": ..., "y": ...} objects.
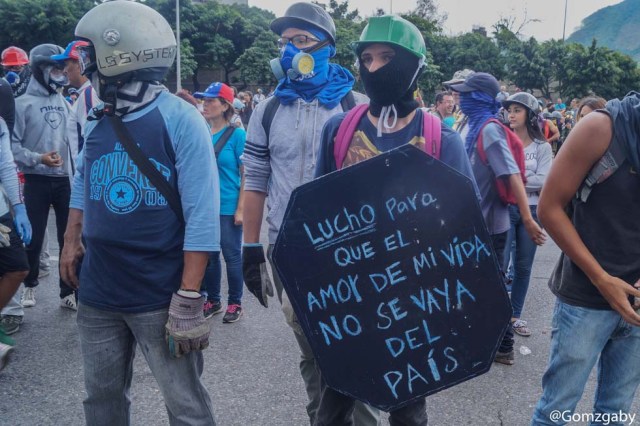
[{"x": 464, "y": 14}]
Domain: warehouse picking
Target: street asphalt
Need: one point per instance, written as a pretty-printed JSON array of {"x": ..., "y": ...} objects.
[{"x": 251, "y": 369}]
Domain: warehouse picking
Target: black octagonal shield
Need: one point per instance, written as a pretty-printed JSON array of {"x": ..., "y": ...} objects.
[{"x": 389, "y": 267}]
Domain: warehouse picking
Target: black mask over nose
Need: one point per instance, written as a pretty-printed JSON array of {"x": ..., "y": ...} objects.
[{"x": 392, "y": 84}]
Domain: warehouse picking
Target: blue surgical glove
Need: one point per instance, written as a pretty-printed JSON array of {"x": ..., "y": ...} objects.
[{"x": 21, "y": 220}]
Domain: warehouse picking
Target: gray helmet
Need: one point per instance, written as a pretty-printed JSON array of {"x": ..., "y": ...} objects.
[
  {"x": 523, "y": 98},
  {"x": 300, "y": 15},
  {"x": 39, "y": 59},
  {"x": 129, "y": 39}
]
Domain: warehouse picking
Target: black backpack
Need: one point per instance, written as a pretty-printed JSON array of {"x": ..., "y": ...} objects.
[{"x": 612, "y": 159}]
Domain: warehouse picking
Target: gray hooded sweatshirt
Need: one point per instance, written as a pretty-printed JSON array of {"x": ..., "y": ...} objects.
[
  {"x": 40, "y": 127},
  {"x": 289, "y": 159}
]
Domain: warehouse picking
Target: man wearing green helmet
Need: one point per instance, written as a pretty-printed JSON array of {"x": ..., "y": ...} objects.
[{"x": 391, "y": 54}]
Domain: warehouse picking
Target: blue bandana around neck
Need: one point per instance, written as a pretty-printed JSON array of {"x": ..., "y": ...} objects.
[
  {"x": 330, "y": 83},
  {"x": 479, "y": 107}
]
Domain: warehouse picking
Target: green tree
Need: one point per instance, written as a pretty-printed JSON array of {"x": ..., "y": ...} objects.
[
  {"x": 254, "y": 62},
  {"x": 431, "y": 78},
  {"x": 526, "y": 67},
  {"x": 629, "y": 77},
  {"x": 340, "y": 11},
  {"x": 28, "y": 23},
  {"x": 428, "y": 10},
  {"x": 188, "y": 63},
  {"x": 479, "y": 53}
]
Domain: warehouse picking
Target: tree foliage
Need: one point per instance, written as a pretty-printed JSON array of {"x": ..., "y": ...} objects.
[
  {"x": 237, "y": 41},
  {"x": 28, "y": 23},
  {"x": 428, "y": 9}
]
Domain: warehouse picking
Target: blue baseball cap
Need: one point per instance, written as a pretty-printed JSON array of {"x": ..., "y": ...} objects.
[
  {"x": 71, "y": 52},
  {"x": 216, "y": 90},
  {"x": 479, "y": 81}
]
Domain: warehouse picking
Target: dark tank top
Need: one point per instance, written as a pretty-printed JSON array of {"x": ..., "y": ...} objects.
[{"x": 609, "y": 224}]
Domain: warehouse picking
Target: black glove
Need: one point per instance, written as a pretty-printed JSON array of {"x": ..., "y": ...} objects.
[{"x": 254, "y": 271}]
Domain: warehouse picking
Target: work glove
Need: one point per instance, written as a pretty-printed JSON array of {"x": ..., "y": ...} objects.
[
  {"x": 5, "y": 239},
  {"x": 186, "y": 329},
  {"x": 254, "y": 271},
  {"x": 21, "y": 220}
]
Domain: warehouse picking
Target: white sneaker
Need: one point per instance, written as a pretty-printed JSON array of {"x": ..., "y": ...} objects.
[
  {"x": 29, "y": 297},
  {"x": 44, "y": 272},
  {"x": 4, "y": 354},
  {"x": 69, "y": 302}
]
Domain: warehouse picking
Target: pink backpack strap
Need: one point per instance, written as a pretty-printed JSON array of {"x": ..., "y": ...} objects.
[
  {"x": 345, "y": 133},
  {"x": 432, "y": 130}
]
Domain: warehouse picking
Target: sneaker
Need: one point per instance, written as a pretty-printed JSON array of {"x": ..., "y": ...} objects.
[
  {"x": 29, "y": 297},
  {"x": 211, "y": 308},
  {"x": 233, "y": 314},
  {"x": 69, "y": 302},
  {"x": 11, "y": 323},
  {"x": 506, "y": 358},
  {"x": 520, "y": 327},
  {"x": 44, "y": 272},
  {"x": 6, "y": 347}
]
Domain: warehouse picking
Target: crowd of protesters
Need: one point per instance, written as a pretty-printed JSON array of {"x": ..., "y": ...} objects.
[{"x": 211, "y": 160}]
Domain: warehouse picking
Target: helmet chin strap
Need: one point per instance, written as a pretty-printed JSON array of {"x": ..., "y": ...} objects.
[{"x": 110, "y": 98}]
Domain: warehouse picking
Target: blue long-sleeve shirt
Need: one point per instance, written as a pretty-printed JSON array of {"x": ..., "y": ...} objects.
[{"x": 134, "y": 240}]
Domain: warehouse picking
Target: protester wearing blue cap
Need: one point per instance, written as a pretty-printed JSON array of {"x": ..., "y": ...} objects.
[
  {"x": 86, "y": 99},
  {"x": 478, "y": 101},
  {"x": 228, "y": 143}
]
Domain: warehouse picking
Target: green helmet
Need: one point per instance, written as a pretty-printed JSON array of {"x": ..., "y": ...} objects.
[{"x": 394, "y": 30}]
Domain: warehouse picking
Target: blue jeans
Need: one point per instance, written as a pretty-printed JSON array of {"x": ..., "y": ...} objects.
[
  {"x": 581, "y": 337},
  {"x": 108, "y": 343},
  {"x": 231, "y": 244},
  {"x": 498, "y": 242},
  {"x": 522, "y": 257}
]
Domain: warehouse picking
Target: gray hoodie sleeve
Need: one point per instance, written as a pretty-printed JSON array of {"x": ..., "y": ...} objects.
[
  {"x": 536, "y": 178},
  {"x": 256, "y": 161},
  {"x": 8, "y": 172},
  {"x": 22, "y": 155}
]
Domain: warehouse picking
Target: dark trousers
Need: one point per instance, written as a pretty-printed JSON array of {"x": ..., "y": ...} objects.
[
  {"x": 499, "y": 241},
  {"x": 336, "y": 409},
  {"x": 40, "y": 193}
]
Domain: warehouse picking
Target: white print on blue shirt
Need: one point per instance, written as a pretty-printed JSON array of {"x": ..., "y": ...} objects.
[{"x": 116, "y": 179}]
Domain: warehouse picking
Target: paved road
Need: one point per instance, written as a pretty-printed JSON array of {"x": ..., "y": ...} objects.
[{"x": 251, "y": 370}]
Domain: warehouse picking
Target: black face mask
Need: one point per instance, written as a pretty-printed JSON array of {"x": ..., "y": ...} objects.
[{"x": 392, "y": 84}]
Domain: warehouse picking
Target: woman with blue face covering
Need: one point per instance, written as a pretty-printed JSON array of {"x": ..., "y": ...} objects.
[{"x": 478, "y": 102}]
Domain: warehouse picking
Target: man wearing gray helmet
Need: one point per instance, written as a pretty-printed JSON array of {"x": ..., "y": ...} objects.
[
  {"x": 283, "y": 139},
  {"x": 39, "y": 145},
  {"x": 147, "y": 244}
]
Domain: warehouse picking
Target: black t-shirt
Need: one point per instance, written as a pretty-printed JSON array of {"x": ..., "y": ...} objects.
[{"x": 608, "y": 225}]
